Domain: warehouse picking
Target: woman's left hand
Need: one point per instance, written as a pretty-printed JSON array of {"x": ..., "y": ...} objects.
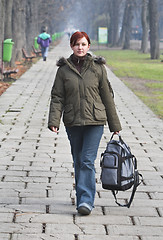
[{"x": 116, "y": 132}]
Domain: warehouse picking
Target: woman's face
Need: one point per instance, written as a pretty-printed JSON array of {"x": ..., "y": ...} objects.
[{"x": 81, "y": 47}]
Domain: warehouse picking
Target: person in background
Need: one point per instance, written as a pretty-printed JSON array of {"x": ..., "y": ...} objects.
[
  {"x": 44, "y": 40},
  {"x": 83, "y": 94}
]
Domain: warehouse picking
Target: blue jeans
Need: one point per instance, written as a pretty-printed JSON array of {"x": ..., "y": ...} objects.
[
  {"x": 84, "y": 141},
  {"x": 44, "y": 51}
]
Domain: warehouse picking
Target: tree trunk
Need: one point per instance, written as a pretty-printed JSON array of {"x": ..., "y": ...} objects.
[
  {"x": 114, "y": 22},
  {"x": 18, "y": 28},
  {"x": 153, "y": 23},
  {"x": 2, "y": 17},
  {"x": 8, "y": 19},
  {"x": 128, "y": 23},
  {"x": 31, "y": 22},
  {"x": 145, "y": 26},
  {"x": 124, "y": 25}
]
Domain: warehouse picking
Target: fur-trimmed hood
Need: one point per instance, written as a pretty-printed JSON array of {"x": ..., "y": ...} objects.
[
  {"x": 97, "y": 59},
  {"x": 100, "y": 60},
  {"x": 62, "y": 61}
]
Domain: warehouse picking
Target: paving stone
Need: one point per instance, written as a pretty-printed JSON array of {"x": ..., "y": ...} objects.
[
  {"x": 4, "y": 236},
  {"x": 12, "y": 185},
  {"x": 135, "y": 230},
  {"x": 106, "y": 237},
  {"x": 103, "y": 220},
  {"x": 146, "y": 221},
  {"x": 53, "y": 229},
  {"x": 13, "y": 173},
  {"x": 6, "y": 217},
  {"x": 9, "y": 200},
  {"x": 45, "y": 201},
  {"x": 151, "y": 238},
  {"x": 43, "y": 236},
  {"x": 24, "y": 228},
  {"x": 25, "y": 193},
  {"x": 133, "y": 211},
  {"x": 89, "y": 229},
  {"x": 26, "y": 179},
  {"x": 44, "y": 218},
  {"x": 55, "y": 186},
  {"x": 9, "y": 193}
]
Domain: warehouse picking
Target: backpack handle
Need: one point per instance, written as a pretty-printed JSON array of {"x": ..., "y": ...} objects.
[
  {"x": 121, "y": 141},
  {"x": 119, "y": 135}
]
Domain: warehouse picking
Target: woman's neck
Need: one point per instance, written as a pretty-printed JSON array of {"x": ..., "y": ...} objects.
[
  {"x": 78, "y": 58},
  {"x": 78, "y": 61}
]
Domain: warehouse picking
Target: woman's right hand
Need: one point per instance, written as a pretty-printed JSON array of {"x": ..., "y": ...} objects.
[{"x": 54, "y": 129}]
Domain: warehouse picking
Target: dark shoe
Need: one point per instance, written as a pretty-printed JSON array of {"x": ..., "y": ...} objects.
[
  {"x": 44, "y": 59},
  {"x": 84, "y": 210}
]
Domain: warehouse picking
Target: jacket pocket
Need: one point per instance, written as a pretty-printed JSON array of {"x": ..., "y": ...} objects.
[
  {"x": 68, "y": 115},
  {"x": 99, "y": 111}
]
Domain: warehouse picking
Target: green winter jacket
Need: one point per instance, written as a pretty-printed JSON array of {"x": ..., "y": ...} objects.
[
  {"x": 44, "y": 36},
  {"x": 83, "y": 98}
]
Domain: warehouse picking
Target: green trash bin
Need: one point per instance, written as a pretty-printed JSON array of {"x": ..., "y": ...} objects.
[
  {"x": 53, "y": 37},
  {"x": 36, "y": 44},
  {"x": 7, "y": 50}
]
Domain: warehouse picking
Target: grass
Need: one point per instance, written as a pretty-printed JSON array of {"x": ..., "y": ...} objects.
[
  {"x": 132, "y": 63},
  {"x": 129, "y": 65}
]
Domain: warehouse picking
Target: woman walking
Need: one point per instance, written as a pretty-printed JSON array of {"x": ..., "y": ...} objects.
[{"x": 83, "y": 94}]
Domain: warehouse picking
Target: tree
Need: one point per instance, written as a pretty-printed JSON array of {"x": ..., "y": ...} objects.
[
  {"x": 153, "y": 23},
  {"x": 2, "y": 21},
  {"x": 145, "y": 26},
  {"x": 8, "y": 19},
  {"x": 160, "y": 9},
  {"x": 124, "y": 25},
  {"x": 128, "y": 23},
  {"x": 31, "y": 23},
  {"x": 114, "y": 22},
  {"x": 19, "y": 26}
]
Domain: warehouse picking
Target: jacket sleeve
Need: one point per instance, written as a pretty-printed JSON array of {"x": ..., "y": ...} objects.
[
  {"x": 57, "y": 101},
  {"x": 38, "y": 40},
  {"x": 106, "y": 93}
]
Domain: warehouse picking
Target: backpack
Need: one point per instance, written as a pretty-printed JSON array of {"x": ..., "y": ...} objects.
[{"x": 119, "y": 169}]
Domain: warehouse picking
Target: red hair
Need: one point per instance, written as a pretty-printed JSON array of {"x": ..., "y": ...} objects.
[{"x": 77, "y": 35}]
